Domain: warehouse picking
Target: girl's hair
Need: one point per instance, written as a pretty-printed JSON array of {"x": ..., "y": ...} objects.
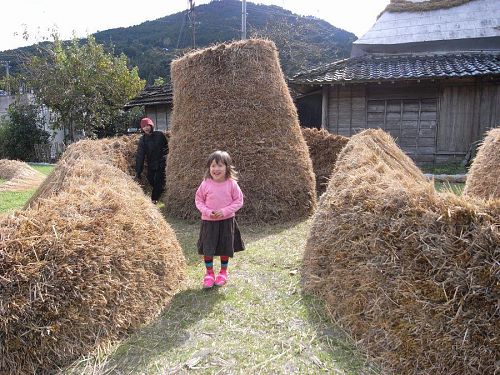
[{"x": 224, "y": 158}]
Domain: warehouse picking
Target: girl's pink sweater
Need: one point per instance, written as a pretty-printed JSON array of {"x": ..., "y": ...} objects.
[{"x": 225, "y": 196}]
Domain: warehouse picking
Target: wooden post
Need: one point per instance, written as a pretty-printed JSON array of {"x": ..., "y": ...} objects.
[{"x": 324, "y": 107}]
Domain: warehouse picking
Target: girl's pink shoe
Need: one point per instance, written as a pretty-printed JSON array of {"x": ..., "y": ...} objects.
[
  {"x": 221, "y": 278},
  {"x": 208, "y": 280}
]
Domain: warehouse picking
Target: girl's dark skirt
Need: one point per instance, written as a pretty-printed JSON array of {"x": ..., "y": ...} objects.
[{"x": 220, "y": 237}]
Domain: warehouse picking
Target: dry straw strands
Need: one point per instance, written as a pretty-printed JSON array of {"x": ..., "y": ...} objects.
[
  {"x": 89, "y": 261},
  {"x": 324, "y": 148},
  {"x": 422, "y": 6},
  {"x": 117, "y": 152},
  {"x": 483, "y": 180},
  {"x": 19, "y": 175},
  {"x": 234, "y": 97},
  {"x": 411, "y": 273}
]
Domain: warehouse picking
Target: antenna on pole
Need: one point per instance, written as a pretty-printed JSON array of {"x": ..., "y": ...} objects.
[
  {"x": 243, "y": 19},
  {"x": 192, "y": 20}
]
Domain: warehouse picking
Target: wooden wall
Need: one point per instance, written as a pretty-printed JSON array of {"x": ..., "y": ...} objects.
[
  {"x": 161, "y": 115},
  {"x": 467, "y": 111},
  {"x": 431, "y": 121}
]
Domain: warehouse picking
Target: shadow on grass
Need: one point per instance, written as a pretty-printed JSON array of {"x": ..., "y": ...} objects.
[
  {"x": 168, "y": 331},
  {"x": 339, "y": 344},
  {"x": 187, "y": 234}
]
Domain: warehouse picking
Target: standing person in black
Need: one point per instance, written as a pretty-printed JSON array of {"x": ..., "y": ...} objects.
[{"x": 154, "y": 148}]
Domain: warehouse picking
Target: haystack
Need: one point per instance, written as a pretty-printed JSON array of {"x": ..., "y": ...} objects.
[
  {"x": 19, "y": 175},
  {"x": 118, "y": 152},
  {"x": 483, "y": 180},
  {"x": 412, "y": 274},
  {"x": 91, "y": 260},
  {"x": 324, "y": 147},
  {"x": 234, "y": 97}
]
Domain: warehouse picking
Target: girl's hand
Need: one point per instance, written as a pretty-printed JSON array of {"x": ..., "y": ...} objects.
[{"x": 217, "y": 214}]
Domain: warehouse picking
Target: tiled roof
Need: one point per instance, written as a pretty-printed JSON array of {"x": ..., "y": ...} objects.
[
  {"x": 402, "y": 67},
  {"x": 152, "y": 95}
]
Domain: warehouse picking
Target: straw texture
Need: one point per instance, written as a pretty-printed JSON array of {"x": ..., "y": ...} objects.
[
  {"x": 89, "y": 261},
  {"x": 19, "y": 175},
  {"x": 324, "y": 148},
  {"x": 412, "y": 274},
  {"x": 233, "y": 97},
  {"x": 483, "y": 180}
]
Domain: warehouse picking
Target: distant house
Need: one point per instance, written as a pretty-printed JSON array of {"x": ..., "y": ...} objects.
[
  {"x": 426, "y": 72},
  {"x": 157, "y": 103}
]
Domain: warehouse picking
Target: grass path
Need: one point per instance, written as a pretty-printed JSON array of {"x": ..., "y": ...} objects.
[{"x": 259, "y": 323}]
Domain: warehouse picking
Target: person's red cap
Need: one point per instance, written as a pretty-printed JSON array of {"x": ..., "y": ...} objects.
[{"x": 146, "y": 121}]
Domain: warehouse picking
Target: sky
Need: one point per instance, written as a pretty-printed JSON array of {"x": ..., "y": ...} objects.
[{"x": 36, "y": 20}]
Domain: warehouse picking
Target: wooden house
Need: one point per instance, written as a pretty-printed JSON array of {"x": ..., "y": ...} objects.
[
  {"x": 157, "y": 103},
  {"x": 427, "y": 72}
]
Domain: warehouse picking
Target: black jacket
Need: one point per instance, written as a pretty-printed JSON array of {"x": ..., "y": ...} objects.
[{"x": 154, "y": 148}]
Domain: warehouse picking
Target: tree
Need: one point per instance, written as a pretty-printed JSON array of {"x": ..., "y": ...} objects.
[
  {"x": 20, "y": 131},
  {"x": 84, "y": 86}
]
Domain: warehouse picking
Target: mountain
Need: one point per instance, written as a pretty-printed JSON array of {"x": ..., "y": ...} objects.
[{"x": 303, "y": 42}]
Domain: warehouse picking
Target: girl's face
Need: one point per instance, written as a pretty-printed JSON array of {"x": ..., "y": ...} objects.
[{"x": 218, "y": 171}]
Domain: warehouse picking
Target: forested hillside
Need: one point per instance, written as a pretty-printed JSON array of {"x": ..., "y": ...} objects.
[{"x": 303, "y": 42}]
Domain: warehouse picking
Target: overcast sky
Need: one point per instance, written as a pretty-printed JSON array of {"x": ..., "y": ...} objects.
[{"x": 39, "y": 17}]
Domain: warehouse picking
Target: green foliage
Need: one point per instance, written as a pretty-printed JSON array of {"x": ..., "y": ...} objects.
[
  {"x": 160, "y": 81},
  {"x": 21, "y": 131},
  {"x": 84, "y": 86},
  {"x": 121, "y": 122}
]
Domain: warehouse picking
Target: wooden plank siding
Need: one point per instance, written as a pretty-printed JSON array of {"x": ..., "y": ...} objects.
[
  {"x": 467, "y": 112},
  {"x": 160, "y": 114},
  {"x": 347, "y": 109},
  {"x": 410, "y": 116},
  {"x": 432, "y": 122}
]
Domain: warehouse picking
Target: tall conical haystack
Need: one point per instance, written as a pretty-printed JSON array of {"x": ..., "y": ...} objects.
[
  {"x": 89, "y": 261},
  {"x": 324, "y": 148},
  {"x": 19, "y": 175},
  {"x": 234, "y": 97},
  {"x": 483, "y": 180},
  {"x": 412, "y": 274}
]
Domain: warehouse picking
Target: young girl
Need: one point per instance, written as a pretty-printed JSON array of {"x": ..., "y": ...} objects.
[{"x": 218, "y": 198}]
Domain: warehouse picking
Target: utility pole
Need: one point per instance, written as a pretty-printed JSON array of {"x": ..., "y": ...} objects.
[
  {"x": 243, "y": 19},
  {"x": 192, "y": 20},
  {"x": 7, "y": 74}
]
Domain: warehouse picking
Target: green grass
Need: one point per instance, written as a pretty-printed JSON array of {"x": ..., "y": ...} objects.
[
  {"x": 11, "y": 200},
  {"x": 450, "y": 168},
  {"x": 259, "y": 323},
  {"x": 456, "y": 188},
  {"x": 45, "y": 169}
]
